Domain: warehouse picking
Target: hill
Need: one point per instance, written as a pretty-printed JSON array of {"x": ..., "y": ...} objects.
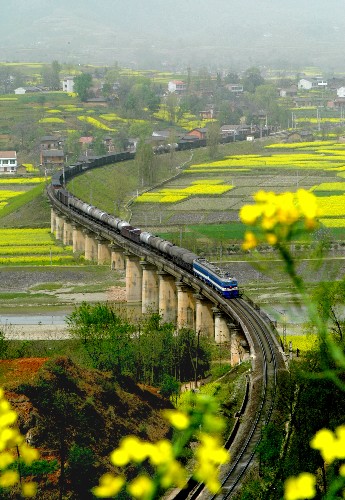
[
  {"x": 149, "y": 33},
  {"x": 63, "y": 408}
]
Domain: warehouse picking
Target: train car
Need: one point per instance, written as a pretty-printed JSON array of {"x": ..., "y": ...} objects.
[
  {"x": 182, "y": 257},
  {"x": 130, "y": 232},
  {"x": 220, "y": 280}
]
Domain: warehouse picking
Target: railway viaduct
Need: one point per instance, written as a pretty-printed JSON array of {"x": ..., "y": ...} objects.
[
  {"x": 152, "y": 281},
  {"x": 161, "y": 286}
]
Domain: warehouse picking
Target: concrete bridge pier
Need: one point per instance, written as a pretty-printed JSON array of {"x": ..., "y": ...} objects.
[
  {"x": 91, "y": 246},
  {"x": 67, "y": 232},
  {"x": 150, "y": 297},
  {"x": 204, "y": 322},
  {"x": 239, "y": 347},
  {"x": 185, "y": 306},
  {"x": 103, "y": 252},
  {"x": 78, "y": 239},
  {"x": 221, "y": 327},
  {"x": 167, "y": 297},
  {"x": 117, "y": 257},
  {"x": 52, "y": 221},
  {"x": 134, "y": 278},
  {"x": 59, "y": 225}
]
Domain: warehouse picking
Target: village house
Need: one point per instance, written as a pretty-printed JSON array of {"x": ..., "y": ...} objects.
[
  {"x": 288, "y": 91},
  {"x": 51, "y": 142},
  {"x": 68, "y": 84},
  {"x": 311, "y": 83},
  {"x": 341, "y": 92},
  {"x": 198, "y": 133},
  {"x": 8, "y": 162},
  {"x": 52, "y": 157},
  {"x": 236, "y": 88},
  {"x": 26, "y": 90},
  {"x": 177, "y": 86},
  {"x": 207, "y": 114}
]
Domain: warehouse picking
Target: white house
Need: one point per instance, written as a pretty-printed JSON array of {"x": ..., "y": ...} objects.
[
  {"x": 26, "y": 90},
  {"x": 341, "y": 92},
  {"x": 177, "y": 86},
  {"x": 8, "y": 162},
  {"x": 312, "y": 83},
  {"x": 68, "y": 84},
  {"x": 234, "y": 87}
]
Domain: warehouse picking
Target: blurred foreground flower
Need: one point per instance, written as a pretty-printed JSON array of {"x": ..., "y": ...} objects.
[
  {"x": 277, "y": 217},
  {"x": 300, "y": 487},
  {"x": 199, "y": 421},
  {"x": 331, "y": 445},
  {"x": 11, "y": 444}
]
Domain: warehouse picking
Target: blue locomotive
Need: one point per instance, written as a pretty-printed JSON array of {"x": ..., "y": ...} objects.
[{"x": 217, "y": 278}]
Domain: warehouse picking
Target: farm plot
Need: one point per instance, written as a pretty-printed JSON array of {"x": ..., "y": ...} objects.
[
  {"x": 32, "y": 246},
  {"x": 17, "y": 191},
  {"x": 317, "y": 166}
]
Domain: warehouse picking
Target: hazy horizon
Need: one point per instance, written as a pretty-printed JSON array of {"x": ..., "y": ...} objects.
[{"x": 175, "y": 34}]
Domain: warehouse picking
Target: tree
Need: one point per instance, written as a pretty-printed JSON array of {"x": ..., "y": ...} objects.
[
  {"x": 82, "y": 85},
  {"x": 27, "y": 133},
  {"x": 232, "y": 77},
  {"x": 51, "y": 76},
  {"x": 169, "y": 386},
  {"x": 10, "y": 79},
  {"x": 251, "y": 79},
  {"x": 105, "y": 336},
  {"x": 171, "y": 103},
  {"x": 213, "y": 139},
  {"x": 145, "y": 162},
  {"x": 330, "y": 298},
  {"x": 73, "y": 145},
  {"x": 81, "y": 470},
  {"x": 4, "y": 344},
  {"x": 98, "y": 144}
]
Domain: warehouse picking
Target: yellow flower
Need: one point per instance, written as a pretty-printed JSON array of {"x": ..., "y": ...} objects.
[
  {"x": 174, "y": 474},
  {"x": 331, "y": 445},
  {"x": 8, "y": 417},
  {"x": 29, "y": 490},
  {"x": 161, "y": 452},
  {"x": 5, "y": 459},
  {"x": 141, "y": 487},
  {"x": 177, "y": 419},
  {"x": 28, "y": 454},
  {"x": 119, "y": 457},
  {"x": 307, "y": 203},
  {"x": 271, "y": 239},
  {"x": 301, "y": 487},
  {"x": 9, "y": 478},
  {"x": 250, "y": 241},
  {"x": 249, "y": 214},
  {"x": 342, "y": 470},
  {"x": 109, "y": 486}
]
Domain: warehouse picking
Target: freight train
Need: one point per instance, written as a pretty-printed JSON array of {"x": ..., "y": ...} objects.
[{"x": 218, "y": 279}]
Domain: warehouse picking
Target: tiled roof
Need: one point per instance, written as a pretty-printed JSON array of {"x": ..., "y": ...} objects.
[{"x": 8, "y": 154}]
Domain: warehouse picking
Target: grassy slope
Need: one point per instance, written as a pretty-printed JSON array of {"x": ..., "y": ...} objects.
[{"x": 29, "y": 210}]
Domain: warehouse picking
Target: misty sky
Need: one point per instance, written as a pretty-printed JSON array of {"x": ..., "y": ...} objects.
[{"x": 175, "y": 33}]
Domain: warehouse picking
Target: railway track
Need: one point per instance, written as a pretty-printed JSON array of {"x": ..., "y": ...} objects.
[{"x": 267, "y": 361}]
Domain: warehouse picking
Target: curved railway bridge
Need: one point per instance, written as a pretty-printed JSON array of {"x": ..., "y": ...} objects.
[{"x": 161, "y": 285}]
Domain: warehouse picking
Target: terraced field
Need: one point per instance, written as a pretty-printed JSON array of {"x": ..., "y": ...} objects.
[{"x": 317, "y": 166}]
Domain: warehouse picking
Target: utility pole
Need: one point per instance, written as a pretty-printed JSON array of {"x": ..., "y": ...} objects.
[{"x": 196, "y": 360}]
